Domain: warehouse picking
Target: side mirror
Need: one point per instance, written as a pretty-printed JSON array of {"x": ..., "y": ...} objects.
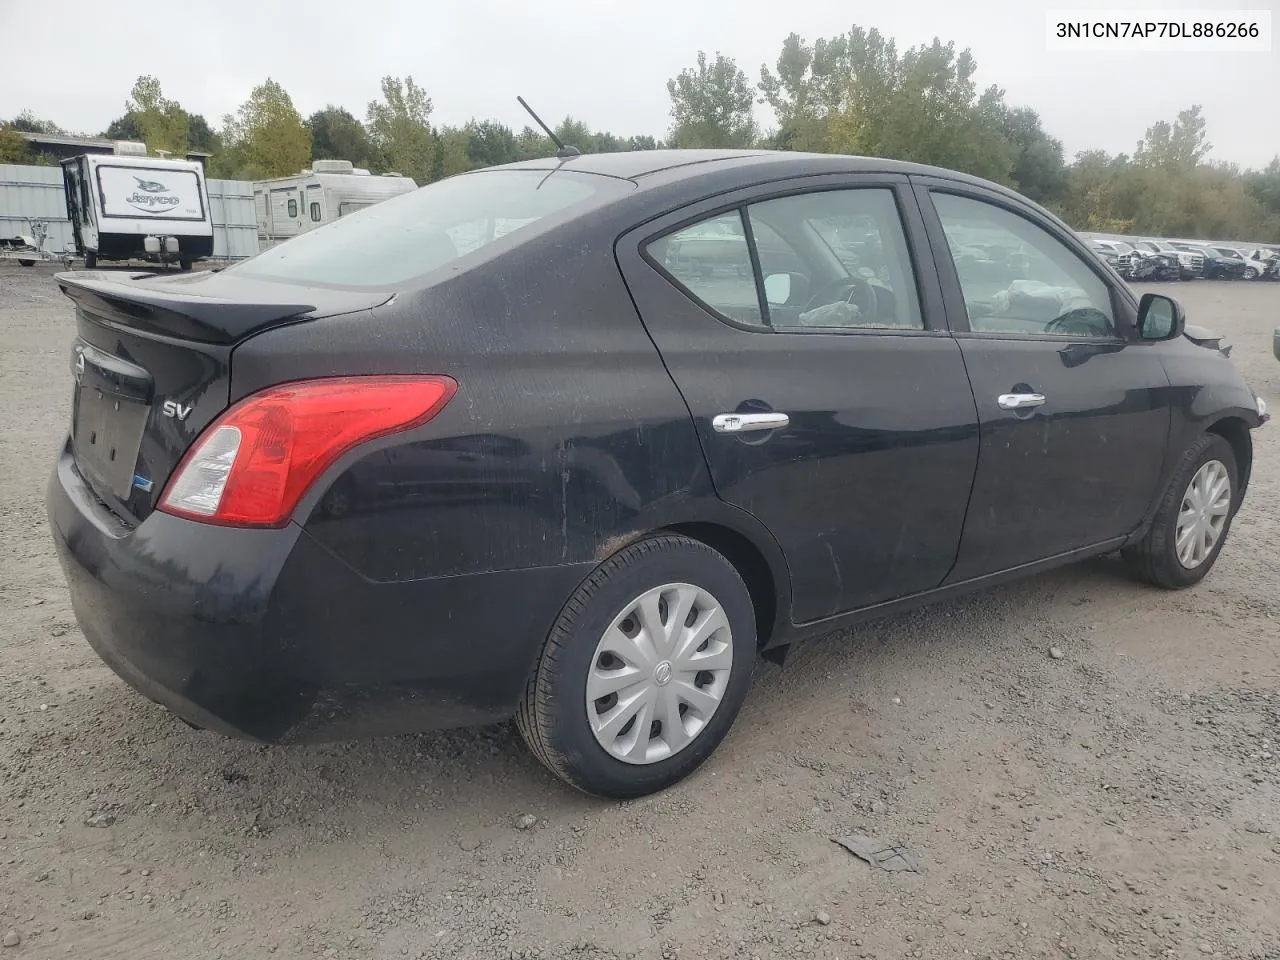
[
  {"x": 1160, "y": 318},
  {"x": 777, "y": 288}
]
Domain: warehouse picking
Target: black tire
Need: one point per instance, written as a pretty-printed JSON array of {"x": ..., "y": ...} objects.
[
  {"x": 1154, "y": 559},
  {"x": 185, "y": 263},
  {"x": 26, "y": 263},
  {"x": 553, "y": 716},
  {"x": 90, "y": 260}
]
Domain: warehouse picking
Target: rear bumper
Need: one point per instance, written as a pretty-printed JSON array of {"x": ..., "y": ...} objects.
[{"x": 264, "y": 634}]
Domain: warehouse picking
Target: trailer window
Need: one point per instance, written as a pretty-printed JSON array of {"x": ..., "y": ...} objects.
[
  {"x": 315, "y": 212},
  {"x": 466, "y": 217},
  {"x": 293, "y": 207}
]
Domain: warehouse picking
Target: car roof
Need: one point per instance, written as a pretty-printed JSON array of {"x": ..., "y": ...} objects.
[{"x": 667, "y": 166}]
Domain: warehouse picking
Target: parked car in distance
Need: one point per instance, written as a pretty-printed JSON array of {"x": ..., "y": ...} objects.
[
  {"x": 1241, "y": 265},
  {"x": 584, "y": 481},
  {"x": 1217, "y": 265},
  {"x": 1267, "y": 259},
  {"x": 1117, "y": 253},
  {"x": 1190, "y": 262},
  {"x": 1253, "y": 269},
  {"x": 1169, "y": 260}
]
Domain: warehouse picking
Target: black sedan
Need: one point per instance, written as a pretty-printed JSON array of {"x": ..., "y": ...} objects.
[{"x": 507, "y": 446}]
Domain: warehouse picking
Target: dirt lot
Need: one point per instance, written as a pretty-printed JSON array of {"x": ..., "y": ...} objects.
[{"x": 1119, "y": 800}]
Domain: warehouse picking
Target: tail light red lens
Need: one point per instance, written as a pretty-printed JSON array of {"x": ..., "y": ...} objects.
[{"x": 252, "y": 465}]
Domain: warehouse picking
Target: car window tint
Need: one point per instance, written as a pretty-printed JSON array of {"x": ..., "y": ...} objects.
[
  {"x": 403, "y": 238},
  {"x": 710, "y": 259},
  {"x": 1019, "y": 279},
  {"x": 836, "y": 259}
]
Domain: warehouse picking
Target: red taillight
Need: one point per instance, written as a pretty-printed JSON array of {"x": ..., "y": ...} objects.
[{"x": 251, "y": 466}]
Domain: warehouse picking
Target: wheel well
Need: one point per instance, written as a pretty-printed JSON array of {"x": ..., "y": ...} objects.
[
  {"x": 750, "y": 564},
  {"x": 1236, "y": 432}
]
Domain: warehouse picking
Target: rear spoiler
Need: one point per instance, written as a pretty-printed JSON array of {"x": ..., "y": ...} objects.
[{"x": 217, "y": 308}]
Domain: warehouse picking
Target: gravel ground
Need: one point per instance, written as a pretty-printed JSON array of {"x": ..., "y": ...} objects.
[{"x": 1116, "y": 797}]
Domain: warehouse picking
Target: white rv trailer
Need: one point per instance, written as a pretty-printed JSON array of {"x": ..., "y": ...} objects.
[
  {"x": 288, "y": 206},
  {"x": 126, "y": 207}
]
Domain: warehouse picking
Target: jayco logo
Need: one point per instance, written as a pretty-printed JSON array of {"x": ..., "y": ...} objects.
[{"x": 151, "y": 196}]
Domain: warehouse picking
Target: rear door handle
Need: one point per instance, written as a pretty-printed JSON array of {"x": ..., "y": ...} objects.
[
  {"x": 747, "y": 422},
  {"x": 1020, "y": 401}
]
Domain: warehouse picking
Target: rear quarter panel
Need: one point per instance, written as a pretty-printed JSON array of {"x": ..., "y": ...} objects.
[{"x": 566, "y": 439}]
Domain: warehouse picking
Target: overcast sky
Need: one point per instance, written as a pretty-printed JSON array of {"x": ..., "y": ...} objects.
[{"x": 606, "y": 62}]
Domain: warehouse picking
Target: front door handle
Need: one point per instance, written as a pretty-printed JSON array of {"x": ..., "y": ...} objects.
[
  {"x": 1020, "y": 401},
  {"x": 747, "y": 422}
]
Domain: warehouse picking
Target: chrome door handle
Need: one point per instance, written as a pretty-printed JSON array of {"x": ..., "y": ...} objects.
[
  {"x": 746, "y": 422},
  {"x": 1020, "y": 401}
]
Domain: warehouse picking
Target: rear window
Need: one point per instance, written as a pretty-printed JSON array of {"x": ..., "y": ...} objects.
[{"x": 408, "y": 236}]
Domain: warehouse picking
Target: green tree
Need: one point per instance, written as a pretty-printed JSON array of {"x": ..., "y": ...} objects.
[
  {"x": 490, "y": 143},
  {"x": 922, "y": 105},
  {"x": 124, "y": 128},
  {"x": 399, "y": 126},
  {"x": 451, "y": 145},
  {"x": 798, "y": 94},
  {"x": 1090, "y": 200},
  {"x": 162, "y": 123},
  {"x": 1180, "y": 145},
  {"x": 337, "y": 135},
  {"x": 575, "y": 133},
  {"x": 13, "y": 149},
  {"x": 267, "y": 136},
  {"x": 1264, "y": 186},
  {"x": 711, "y": 105},
  {"x": 1038, "y": 167},
  {"x": 28, "y": 122},
  {"x": 606, "y": 142},
  {"x": 643, "y": 142},
  {"x": 201, "y": 136},
  {"x": 534, "y": 144}
]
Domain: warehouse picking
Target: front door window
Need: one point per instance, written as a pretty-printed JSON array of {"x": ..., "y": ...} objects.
[{"x": 1017, "y": 279}]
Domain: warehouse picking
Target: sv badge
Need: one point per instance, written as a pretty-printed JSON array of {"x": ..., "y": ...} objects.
[{"x": 172, "y": 408}]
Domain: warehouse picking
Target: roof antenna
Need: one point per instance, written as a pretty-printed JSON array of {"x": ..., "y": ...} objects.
[{"x": 562, "y": 152}]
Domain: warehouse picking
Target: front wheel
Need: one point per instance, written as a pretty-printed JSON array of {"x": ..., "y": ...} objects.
[
  {"x": 644, "y": 671},
  {"x": 1193, "y": 519},
  {"x": 90, "y": 260}
]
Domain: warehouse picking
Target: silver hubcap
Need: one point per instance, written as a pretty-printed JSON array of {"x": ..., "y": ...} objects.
[
  {"x": 1205, "y": 506},
  {"x": 659, "y": 673}
]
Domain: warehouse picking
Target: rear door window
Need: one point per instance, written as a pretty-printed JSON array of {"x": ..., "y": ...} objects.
[
  {"x": 827, "y": 261},
  {"x": 712, "y": 261},
  {"x": 836, "y": 259}
]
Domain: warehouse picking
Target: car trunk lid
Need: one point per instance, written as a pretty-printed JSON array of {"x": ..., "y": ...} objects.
[{"x": 152, "y": 368}]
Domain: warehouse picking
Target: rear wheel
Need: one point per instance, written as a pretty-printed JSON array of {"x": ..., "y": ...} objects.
[
  {"x": 26, "y": 263},
  {"x": 1193, "y": 519},
  {"x": 185, "y": 263},
  {"x": 90, "y": 260},
  {"x": 644, "y": 671}
]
